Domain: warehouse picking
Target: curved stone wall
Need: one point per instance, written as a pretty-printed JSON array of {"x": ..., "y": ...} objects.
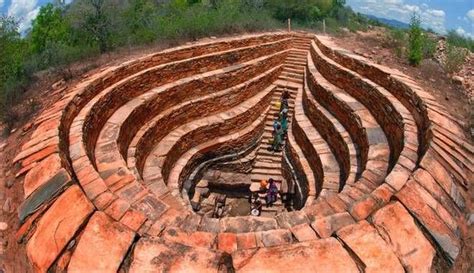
[{"x": 379, "y": 168}]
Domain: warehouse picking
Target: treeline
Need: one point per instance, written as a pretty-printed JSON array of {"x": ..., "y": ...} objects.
[{"x": 62, "y": 34}]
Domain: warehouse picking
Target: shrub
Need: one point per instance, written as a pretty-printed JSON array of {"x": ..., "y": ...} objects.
[
  {"x": 415, "y": 41},
  {"x": 455, "y": 58}
]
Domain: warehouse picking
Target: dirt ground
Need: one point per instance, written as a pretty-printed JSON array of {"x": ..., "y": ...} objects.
[{"x": 40, "y": 95}]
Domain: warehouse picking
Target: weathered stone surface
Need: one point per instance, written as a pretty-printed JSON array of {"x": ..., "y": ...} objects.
[
  {"x": 326, "y": 226},
  {"x": 152, "y": 255},
  {"x": 209, "y": 225},
  {"x": 442, "y": 176},
  {"x": 325, "y": 255},
  {"x": 57, "y": 227},
  {"x": 429, "y": 218},
  {"x": 246, "y": 240},
  {"x": 293, "y": 218},
  {"x": 247, "y": 224},
  {"x": 44, "y": 194},
  {"x": 399, "y": 230},
  {"x": 102, "y": 247},
  {"x": 227, "y": 242},
  {"x": 367, "y": 244},
  {"x": 274, "y": 237},
  {"x": 194, "y": 239},
  {"x": 41, "y": 173},
  {"x": 303, "y": 232}
]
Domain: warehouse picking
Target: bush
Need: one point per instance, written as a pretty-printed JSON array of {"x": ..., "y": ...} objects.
[
  {"x": 429, "y": 46},
  {"x": 455, "y": 58},
  {"x": 459, "y": 41},
  {"x": 415, "y": 41}
]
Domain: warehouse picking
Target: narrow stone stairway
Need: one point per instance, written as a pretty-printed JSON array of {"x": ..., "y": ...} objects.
[{"x": 267, "y": 163}]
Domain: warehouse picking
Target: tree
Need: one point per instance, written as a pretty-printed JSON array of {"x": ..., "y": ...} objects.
[
  {"x": 48, "y": 27},
  {"x": 12, "y": 58},
  {"x": 97, "y": 24},
  {"x": 415, "y": 41}
]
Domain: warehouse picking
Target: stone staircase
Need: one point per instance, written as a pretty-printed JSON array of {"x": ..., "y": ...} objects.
[{"x": 267, "y": 164}]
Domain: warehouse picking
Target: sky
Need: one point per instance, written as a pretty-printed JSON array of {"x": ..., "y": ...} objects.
[{"x": 439, "y": 15}]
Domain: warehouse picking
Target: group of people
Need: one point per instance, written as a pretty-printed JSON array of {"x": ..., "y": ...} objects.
[
  {"x": 270, "y": 189},
  {"x": 280, "y": 125}
]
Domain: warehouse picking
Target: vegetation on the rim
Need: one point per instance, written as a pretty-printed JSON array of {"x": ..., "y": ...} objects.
[
  {"x": 415, "y": 41},
  {"x": 62, "y": 34}
]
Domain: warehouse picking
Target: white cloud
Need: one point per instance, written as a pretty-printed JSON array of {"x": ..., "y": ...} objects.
[
  {"x": 464, "y": 33},
  {"x": 436, "y": 12},
  {"x": 1, "y": 3},
  {"x": 470, "y": 15},
  {"x": 24, "y": 11},
  {"x": 398, "y": 10}
]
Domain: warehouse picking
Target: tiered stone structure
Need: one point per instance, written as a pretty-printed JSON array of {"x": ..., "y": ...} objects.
[{"x": 379, "y": 168}]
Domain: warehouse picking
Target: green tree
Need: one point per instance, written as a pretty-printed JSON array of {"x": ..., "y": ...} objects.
[
  {"x": 415, "y": 41},
  {"x": 48, "y": 27},
  {"x": 12, "y": 72}
]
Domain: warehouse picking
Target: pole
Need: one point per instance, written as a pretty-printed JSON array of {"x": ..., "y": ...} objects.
[
  {"x": 324, "y": 26},
  {"x": 289, "y": 25}
]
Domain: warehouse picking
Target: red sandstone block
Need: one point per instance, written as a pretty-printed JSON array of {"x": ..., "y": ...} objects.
[
  {"x": 303, "y": 232},
  {"x": 41, "y": 173},
  {"x": 40, "y": 155},
  {"x": 104, "y": 199},
  {"x": 102, "y": 246},
  {"x": 326, "y": 226},
  {"x": 319, "y": 256},
  {"x": 397, "y": 177},
  {"x": 363, "y": 208},
  {"x": 57, "y": 227},
  {"x": 152, "y": 255},
  {"x": 383, "y": 193},
  {"x": 94, "y": 188},
  {"x": 117, "y": 209},
  {"x": 227, "y": 242},
  {"x": 423, "y": 178},
  {"x": 367, "y": 244},
  {"x": 246, "y": 240},
  {"x": 274, "y": 237},
  {"x": 133, "y": 219},
  {"x": 194, "y": 239},
  {"x": 170, "y": 216},
  {"x": 319, "y": 209},
  {"x": 446, "y": 239},
  {"x": 399, "y": 230},
  {"x": 336, "y": 203},
  {"x": 439, "y": 173}
]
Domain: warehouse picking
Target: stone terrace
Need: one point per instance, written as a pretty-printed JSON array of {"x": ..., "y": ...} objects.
[{"x": 378, "y": 168}]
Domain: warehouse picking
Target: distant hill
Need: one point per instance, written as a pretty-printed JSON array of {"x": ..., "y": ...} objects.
[{"x": 389, "y": 22}]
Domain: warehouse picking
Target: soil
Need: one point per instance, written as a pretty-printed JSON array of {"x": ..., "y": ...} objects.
[{"x": 41, "y": 94}]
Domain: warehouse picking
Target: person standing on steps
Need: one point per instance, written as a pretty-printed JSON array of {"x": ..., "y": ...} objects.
[
  {"x": 284, "y": 100},
  {"x": 272, "y": 193},
  {"x": 277, "y": 138},
  {"x": 284, "y": 120}
]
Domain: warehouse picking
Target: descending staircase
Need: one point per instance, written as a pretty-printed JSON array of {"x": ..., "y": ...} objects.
[{"x": 268, "y": 163}]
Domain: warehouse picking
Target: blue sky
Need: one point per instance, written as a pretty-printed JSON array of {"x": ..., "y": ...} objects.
[{"x": 440, "y": 15}]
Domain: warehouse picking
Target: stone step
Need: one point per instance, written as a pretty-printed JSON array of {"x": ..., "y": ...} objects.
[
  {"x": 293, "y": 70},
  {"x": 260, "y": 177},
  {"x": 266, "y": 165},
  {"x": 270, "y": 172},
  {"x": 292, "y": 75},
  {"x": 298, "y": 63},
  {"x": 300, "y": 81}
]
